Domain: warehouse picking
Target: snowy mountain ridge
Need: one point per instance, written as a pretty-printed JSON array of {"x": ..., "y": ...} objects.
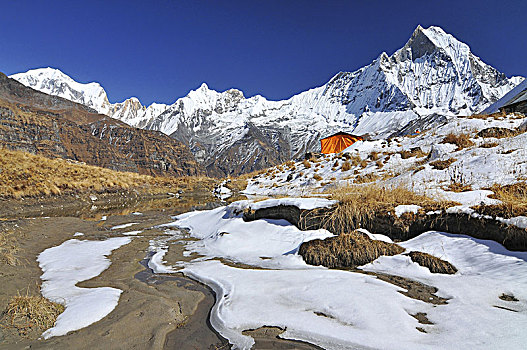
[{"x": 432, "y": 77}]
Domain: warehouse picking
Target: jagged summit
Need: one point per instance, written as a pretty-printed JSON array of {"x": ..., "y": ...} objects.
[{"x": 432, "y": 77}]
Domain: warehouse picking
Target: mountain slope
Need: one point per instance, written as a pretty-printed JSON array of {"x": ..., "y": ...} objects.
[
  {"x": 51, "y": 126},
  {"x": 431, "y": 77}
]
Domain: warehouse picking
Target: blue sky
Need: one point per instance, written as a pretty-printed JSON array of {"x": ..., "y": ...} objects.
[{"x": 159, "y": 50}]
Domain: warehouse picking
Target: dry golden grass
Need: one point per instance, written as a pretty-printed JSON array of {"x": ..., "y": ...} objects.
[
  {"x": 27, "y": 175},
  {"x": 458, "y": 187},
  {"x": 514, "y": 198},
  {"x": 346, "y": 250},
  {"x": 373, "y": 156},
  {"x": 358, "y": 204},
  {"x": 442, "y": 164},
  {"x": 363, "y": 163},
  {"x": 317, "y": 177},
  {"x": 366, "y": 178},
  {"x": 489, "y": 145},
  {"x": 346, "y": 166},
  {"x": 25, "y": 312},
  {"x": 414, "y": 152},
  {"x": 460, "y": 140},
  {"x": 434, "y": 264},
  {"x": 236, "y": 184},
  {"x": 8, "y": 248},
  {"x": 306, "y": 163}
]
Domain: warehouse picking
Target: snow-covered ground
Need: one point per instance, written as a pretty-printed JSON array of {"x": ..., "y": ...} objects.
[
  {"x": 409, "y": 161},
  {"x": 69, "y": 263},
  {"x": 346, "y": 310}
]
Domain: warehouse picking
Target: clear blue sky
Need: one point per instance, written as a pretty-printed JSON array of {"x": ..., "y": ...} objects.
[{"x": 159, "y": 50}]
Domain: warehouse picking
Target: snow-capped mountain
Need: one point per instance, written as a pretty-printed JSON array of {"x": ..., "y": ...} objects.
[{"x": 431, "y": 77}]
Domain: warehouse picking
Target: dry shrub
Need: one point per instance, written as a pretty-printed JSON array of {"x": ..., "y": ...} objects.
[
  {"x": 379, "y": 164},
  {"x": 24, "y": 312},
  {"x": 460, "y": 140},
  {"x": 442, "y": 164},
  {"x": 236, "y": 184},
  {"x": 317, "y": 177},
  {"x": 336, "y": 164},
  {"x": 346, "y": 250},
  {"x": 434, "y": 264},
  {"x": 415, "y": 168},
  {"x": 358, "y": 205},
  {"x": 346, "y": 166},
  {"x": 306, "y": 163},
  {"x": 354, "y": 159}
]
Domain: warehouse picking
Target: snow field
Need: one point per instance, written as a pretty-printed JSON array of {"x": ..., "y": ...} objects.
[{"x": 345, "y": 310}]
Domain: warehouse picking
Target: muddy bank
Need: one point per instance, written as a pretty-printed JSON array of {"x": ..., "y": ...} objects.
[
  {"x": 146, "y": 312},
  {"x": 406, "y": 227}
]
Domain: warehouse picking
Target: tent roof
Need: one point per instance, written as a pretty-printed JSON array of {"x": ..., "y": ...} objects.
[{"x": 342, "y": 134}]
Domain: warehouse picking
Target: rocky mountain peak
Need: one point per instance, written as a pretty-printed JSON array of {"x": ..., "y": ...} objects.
[{"x": 417, "y": 46}]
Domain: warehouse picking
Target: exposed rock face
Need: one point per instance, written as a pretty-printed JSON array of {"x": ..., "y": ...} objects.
[
  {"x": 34, "y": 122},
  {"x": 431, "y": 77}
]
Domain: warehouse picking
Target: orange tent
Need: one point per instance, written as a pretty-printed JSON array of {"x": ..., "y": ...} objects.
[{"x": 338, "y": 142}]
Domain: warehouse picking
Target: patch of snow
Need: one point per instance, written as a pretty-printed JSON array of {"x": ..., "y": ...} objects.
[
  {"x": 132, "y": 233},
  {"x": 124, "y": 226},
  {"x": 460, "y": 209},
  {"x": 63, "y": 267},
  {"x": 401, "y": 209},
  {"x": 77, "y": 234},
  {"x": 519, "y": 221},
  {"x": 300, "y": 203}
]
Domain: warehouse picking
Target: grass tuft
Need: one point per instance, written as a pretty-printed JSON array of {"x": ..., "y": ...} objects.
[
  {"x": 442, "y": 164},
  {"x": 25, "y": 312},
  {"x": 513, "y": 198},
  {"x": 346, "y": 250},
  {"x": 460, "y": 140},
  {"x": 434, "y": 264}
]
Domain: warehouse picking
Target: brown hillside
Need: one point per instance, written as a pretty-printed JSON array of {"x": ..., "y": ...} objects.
[{"x": 38, "y": 123}]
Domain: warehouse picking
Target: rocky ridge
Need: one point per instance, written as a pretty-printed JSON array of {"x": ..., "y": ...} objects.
[{"x": 51, "y": 126}]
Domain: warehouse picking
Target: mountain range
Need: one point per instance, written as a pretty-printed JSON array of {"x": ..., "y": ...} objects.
[{"x": 433, "y": 77}]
